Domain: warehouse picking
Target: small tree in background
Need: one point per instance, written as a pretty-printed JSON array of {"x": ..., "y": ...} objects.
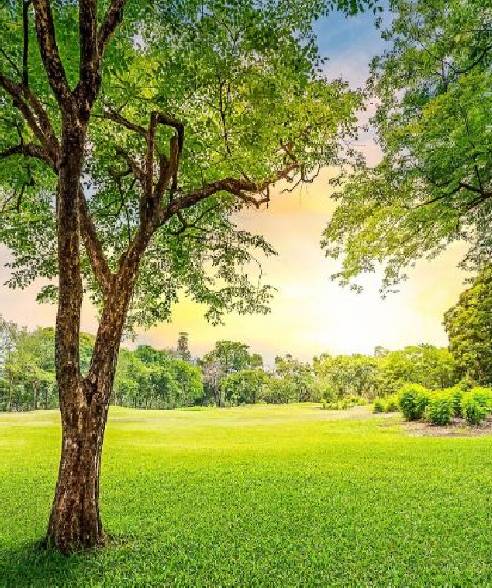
[
  {"x": 244, "y": 387},
  {"x": 226, "y": 358},
  {"x": 183, "y": 349}
]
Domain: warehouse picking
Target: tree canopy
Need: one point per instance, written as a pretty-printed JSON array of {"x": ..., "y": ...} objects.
[
  {"x": 434, "y": 182},
  {"x": 233, "y": 90}
]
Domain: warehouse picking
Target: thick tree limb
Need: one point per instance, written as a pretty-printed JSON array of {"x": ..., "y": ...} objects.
[
  {"x": 27, "y": 150},
  {"x": 45, "y": 30},
  {"x": 243, "y": 189},
  {"x": 112, "y": 19},
  {"x": 89, "y": 61}
]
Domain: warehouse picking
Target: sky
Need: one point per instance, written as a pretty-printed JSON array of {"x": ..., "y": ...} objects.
[{"x": 310, "y": 314}]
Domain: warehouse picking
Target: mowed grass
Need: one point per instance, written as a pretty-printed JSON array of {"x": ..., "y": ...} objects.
[{"x": 256, "y": 496}]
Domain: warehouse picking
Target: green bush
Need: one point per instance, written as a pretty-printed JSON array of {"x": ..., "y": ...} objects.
[
  {"x": 391, "y": 404},
  {"x": 413, "y": 400},
  {"x": 440, "y": 409},
  {"x": 472, "y": 409},
  {"x": 483, "y": 396},
  {"x": 344, "y": 403},
  {"x": 378, "y": 406},
  {"x": 457, "y": 396}
]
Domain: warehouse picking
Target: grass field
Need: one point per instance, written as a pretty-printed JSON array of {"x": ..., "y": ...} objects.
[{"x": 256, "y": 496}]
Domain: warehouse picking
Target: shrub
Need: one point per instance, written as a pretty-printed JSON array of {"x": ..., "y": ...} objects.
[
  {"x": 344, "y": 403},
  {"x": 483, "y": 396},
  {"x": 473, "y": 411},
  {"x": 356, "y": 401},
  {"x": 440, "y": 409},
  {"x": 413, "y": 400},
  {"x": 391, "y": 404},
  {"x": 457, "y": 397},
  {"x": 378, "y": 406}
]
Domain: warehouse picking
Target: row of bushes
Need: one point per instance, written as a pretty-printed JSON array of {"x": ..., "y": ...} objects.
[
  {"x": 441, "y": 407},
  {"x": 344, "y": 403}
]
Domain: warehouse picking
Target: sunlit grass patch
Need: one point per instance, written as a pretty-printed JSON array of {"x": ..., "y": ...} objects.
[{"x": 256, "y": 496}]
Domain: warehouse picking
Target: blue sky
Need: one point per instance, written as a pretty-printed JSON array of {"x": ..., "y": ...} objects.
[{"x": 349, "y": 42}]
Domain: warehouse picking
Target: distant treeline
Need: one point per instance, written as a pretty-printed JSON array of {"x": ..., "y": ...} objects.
[{"x": 228, "y": 375}]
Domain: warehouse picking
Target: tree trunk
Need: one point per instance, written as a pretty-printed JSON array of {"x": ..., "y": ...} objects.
[{"x": 75, "y": 521}]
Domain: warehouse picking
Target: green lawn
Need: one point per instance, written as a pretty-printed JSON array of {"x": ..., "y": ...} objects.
[{"x": 256, "y": 496}]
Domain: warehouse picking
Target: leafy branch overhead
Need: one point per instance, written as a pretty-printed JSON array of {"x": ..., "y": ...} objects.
[
  {"x": 434, "y": 183},
  {"x": 197, "y": 111}
]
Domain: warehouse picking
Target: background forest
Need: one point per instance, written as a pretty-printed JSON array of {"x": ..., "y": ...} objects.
[{"x": 231, "y": 374}]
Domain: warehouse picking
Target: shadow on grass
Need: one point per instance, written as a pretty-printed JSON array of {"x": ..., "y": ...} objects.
[{"x": 33, "y": 564}]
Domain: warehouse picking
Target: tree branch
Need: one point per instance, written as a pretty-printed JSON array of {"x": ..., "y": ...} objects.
[
  {"x": 111, "y": 114},
  {"x": 25, "y": 43},
  {"x": 27, "y": 150},
  {"x": 137, "y": 171},
  {"x": 112, "y": 19},
  {"x": 243, "y": 189},
  {"x": 16, "y": 92},
  {"x": 93, "y": 246},
  {"x": 89, "y": 61},
  {"x": 45, "y": 30}
]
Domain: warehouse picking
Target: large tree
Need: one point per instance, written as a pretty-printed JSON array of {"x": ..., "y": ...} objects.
[
  {"x": 225, "y": 358},
  {"x": 126, "y": 145},
  {"x": 434, "y": 182},
  {"x": 469, "y": 327}
]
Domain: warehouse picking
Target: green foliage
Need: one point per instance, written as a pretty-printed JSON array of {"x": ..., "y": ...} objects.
[
  {"x": 378, "y": 406},
  {"x": 346, "y": 375},
  {"x": 250, "y": 482},
  {"x": 183, "y": 348},
  {"x": 244, "y": 387},
  {"x": 149, "y": 378},
  {"x": 472, "y": 409},
  {"x": 441, "y": 408},
  {"x": 483, "y": 397},
  {"x": 225, "y": 358},
  {"x": 413, "y": 400},
  {"x": 28, "y": 371},
  {"x": 391, "y": 404},
  {"x": 456, "y": 395},
  {"x": 301, "y": 377},
  {"x": 385, "y": 372},
  {"x": 280, "y": 391},
  {"x": 344, "y": 403},
  {"x": 434, "y": 182},
  {"x": 433, "y": 367},
  {"x": 469, "y": 328}
]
